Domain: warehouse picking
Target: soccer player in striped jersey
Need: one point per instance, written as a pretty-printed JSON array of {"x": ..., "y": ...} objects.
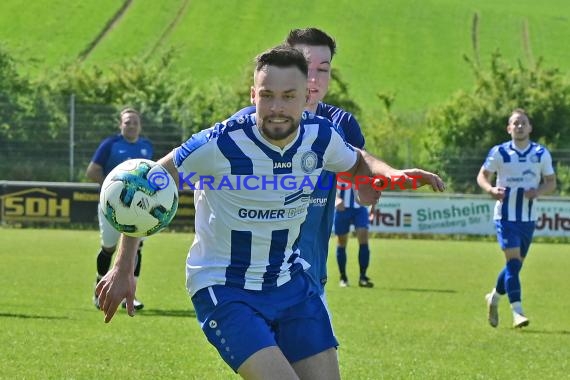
[
  {"x": 320, "y": 48},
  {"x": 524, "y": 173},
  {"x": 111, "y": 152},
  {"x": 349, "y": 212},
  {"x": 245, "y": 275}
]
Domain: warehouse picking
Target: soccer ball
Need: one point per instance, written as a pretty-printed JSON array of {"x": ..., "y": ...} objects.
[{"x": 139, "y": 198}]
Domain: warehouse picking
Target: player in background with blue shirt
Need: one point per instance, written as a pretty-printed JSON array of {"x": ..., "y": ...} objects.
[
  {"x": 111, "y": 152},
  {"x": 320, "y": 48},
  {"x": 524, "y": 173},
  {"x": 349, "y": 212},
  {"x": 245, "y": 274}
]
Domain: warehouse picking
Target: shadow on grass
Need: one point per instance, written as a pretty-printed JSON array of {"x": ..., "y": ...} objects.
[
  {"x": 546, "y": 332},
  {"x": 30, "y": 316},
  {"x": 166, "y": 313},
  {"x": 420, "y": 290}
]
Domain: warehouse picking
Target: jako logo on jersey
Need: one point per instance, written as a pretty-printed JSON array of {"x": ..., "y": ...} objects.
[{"x": 281, "y": 165}]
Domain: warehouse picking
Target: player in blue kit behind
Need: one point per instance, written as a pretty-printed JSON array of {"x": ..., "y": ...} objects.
[
  {"x": 246, "y": 276},
  {"x": 524, "y": 173},
  {"x": 349, "y": 212},
  {"x": 111, "y": 152}
]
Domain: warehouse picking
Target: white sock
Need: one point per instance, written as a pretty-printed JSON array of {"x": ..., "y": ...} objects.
[{"x": 517, "y": 307}]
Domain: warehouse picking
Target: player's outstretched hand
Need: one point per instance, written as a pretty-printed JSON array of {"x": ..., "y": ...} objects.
[
  {"x": 366, "y": 195},
  {"x": 113, "y": 288},
  {"x": 422, "y": 177}
]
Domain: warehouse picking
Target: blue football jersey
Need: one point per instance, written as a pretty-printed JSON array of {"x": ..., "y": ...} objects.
[
  {"x": 316, "y": 230},
  {"x": 114, "y": 150},
  {"x": 253, "y": 198}
]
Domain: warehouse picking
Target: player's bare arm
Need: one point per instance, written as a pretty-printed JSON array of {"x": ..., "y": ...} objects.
[
  {"x": 371, "y": 166},
  {"x": 119, "y": 282},
  {"x": 167, "y": 163},
  {"x": 484, "y": 179},
  {"x": 95, "y": 173},
  {"x": 547, "y": 186}
]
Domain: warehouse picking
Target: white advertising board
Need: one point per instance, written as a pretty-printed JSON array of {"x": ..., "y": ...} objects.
[{"x": 422, "y": 213}]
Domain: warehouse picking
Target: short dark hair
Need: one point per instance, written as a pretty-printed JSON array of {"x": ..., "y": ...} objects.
[
  {"x": 282, "y": 56},
  {"x": 311, "y": 37}
]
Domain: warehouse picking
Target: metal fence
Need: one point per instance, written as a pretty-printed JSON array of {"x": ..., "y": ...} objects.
[
  {"x": 51, "y": 149},
  {"x": 59, "y": 149}
]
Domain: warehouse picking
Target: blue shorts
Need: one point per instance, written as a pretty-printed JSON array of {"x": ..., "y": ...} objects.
[
  {"x": 240, "y": 322},
  {"x": 515, "y": 234},
  {"x": 356, "y": 216}
]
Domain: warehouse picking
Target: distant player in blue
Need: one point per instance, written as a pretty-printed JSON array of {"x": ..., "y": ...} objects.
[
  {"x": 111, "y": 152},
  {"x": 245, "y": 273},
  {"x": 320, "y": 48},
  {"x": 350, "y": 212},
  {"x": 524, "y": 173}
]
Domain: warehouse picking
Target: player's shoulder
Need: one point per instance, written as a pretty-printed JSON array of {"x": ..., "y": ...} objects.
[
  {"x": 144, "y": 141},
  {"x": 332, "y": 112},
  {"x": 345, "y": 119},
  {"x": 347, "y": 123},
  {"x": 244, "y": 111},
  {"x": 221, "y": 129},
  {"x": 324, "y": 124},
  {"x": 111, "y": 139},
  {"x": 501, "y": 148},
  {"x": 538, "y": 148},
  {"x": 108, "y": 142},
  {"x": 309, "y": 117},
  {"x": 231, "y": 124}
]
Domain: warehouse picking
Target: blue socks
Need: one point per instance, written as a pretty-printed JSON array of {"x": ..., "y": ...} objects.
[
  {"x": 341, "y": 259},
  {"x": 363, "y": 259},
  {"x": 512, "y": 281},
  {"x": 500, "y": 287}
]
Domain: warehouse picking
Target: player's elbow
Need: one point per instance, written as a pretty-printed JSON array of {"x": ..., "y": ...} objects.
[
  {"x": 483, "y": 180},
  {"x": 93, "y": 172}
]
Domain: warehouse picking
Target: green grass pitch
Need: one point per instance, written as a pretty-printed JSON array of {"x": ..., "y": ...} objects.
[{"x": 424, "y": 319}]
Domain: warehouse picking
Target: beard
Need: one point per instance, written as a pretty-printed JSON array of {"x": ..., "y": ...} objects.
[{"x": 281, "y": 132}]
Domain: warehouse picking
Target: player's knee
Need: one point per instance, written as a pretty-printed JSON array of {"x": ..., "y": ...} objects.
[{"x": 362, "y": 235}]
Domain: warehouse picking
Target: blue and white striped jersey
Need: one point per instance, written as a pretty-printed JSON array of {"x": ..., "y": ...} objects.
[
  {"x": 518, "y": 171},
  {"x": 253, "y": 199},
  {"x": 348, "y": 198},
  {"x": 316, "y": 231}
]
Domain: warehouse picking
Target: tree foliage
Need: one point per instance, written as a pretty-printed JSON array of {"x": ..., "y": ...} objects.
[{"x": 462, "y": 130}]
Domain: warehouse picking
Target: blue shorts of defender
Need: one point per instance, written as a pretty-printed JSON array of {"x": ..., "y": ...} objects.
[
  {"x": 515, "y": 234},
  {"x": 240, "y": 322},
  {"x": 355, "y": 216}
]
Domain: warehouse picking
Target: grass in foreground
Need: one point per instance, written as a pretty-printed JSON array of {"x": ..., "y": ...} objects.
[{"x": 424, "y": 319}]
